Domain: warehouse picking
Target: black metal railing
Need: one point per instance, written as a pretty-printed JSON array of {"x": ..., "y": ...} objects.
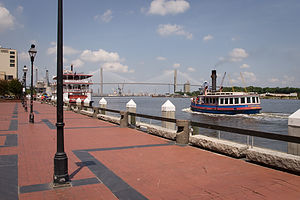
[{"x": 240, "y": 131}]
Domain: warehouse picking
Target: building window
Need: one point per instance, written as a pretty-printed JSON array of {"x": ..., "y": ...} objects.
[
  {"x": 10, "y": 77},
  {"x": 12, "y": 61},
  {"x": 12, "y": 65},
  {"x": 12, "y": 56},
  {"x": 12, "y": 52}
]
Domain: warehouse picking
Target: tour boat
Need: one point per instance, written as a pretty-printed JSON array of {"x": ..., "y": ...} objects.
[
  {"x": 75, "y": 85},
  {"x": 225, "y": 102}
]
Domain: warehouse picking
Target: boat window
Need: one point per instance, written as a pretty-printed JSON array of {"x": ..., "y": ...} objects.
[
  {"x": 231, "y": 101},
  {"x": 210, "y": 100},
  {"x": 214, "y": 100},
  {"x": 257, "y": 100},
  {"x": 221, "y": 101},
  {"x": 248, "y": 100},
  {"x": 253, "y": 100},
  {"x": 226, "y": 100},
  {"x": 236, "y": 100},
  {"x": 243, "y": 100}
]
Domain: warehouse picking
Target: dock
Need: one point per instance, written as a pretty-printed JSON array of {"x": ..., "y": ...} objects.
[{"x": 106, "y": 162}]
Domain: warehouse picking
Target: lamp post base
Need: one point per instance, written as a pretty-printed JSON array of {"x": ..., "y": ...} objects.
[
  {"x": 31, "y": 118},
  {"x": 61, "y": 176}
]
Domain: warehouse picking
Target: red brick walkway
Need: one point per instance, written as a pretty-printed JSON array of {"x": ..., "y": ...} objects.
[{"x": 108, "y": 162}]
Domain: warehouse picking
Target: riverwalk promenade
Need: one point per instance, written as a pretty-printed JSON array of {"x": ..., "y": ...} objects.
[{"x": 109, "y": 162}]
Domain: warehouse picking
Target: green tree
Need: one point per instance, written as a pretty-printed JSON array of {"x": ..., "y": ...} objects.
[
  {"x": 4, "y": 87},
  {"x": 15, "y": 88}
]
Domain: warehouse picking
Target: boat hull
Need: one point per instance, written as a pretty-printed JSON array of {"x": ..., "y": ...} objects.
[{"x": 229, "y": 110}]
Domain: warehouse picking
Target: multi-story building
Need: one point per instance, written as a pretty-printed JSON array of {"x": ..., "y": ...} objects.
[{"x": 8, "y": 64}]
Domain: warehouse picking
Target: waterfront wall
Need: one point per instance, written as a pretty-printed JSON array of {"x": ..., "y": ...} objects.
[{"x": 184, "y": 135}]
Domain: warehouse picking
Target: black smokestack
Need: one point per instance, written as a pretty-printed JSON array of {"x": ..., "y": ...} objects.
[
  {"x": 214, "y": 80},
  {"x": 71, "y": 68}
]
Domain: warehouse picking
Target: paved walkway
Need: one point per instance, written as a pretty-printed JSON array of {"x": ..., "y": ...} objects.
[{"x": 108, "y": 162}]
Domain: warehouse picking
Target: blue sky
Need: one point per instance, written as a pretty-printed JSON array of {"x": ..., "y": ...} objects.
[{"x": 145, "y": 40}]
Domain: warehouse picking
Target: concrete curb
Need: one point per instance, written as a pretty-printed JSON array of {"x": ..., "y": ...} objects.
[
  {"x": 222, "y": 146},
  {"x": 274, "y": 158}
]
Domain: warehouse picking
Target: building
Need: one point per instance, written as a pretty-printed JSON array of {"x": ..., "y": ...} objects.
[{"x": 8, "y": 64}]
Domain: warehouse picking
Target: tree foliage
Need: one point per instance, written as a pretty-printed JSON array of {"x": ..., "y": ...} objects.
[
  {"x": 3, "y": 87},
  {"x": 11, "y": 87}
]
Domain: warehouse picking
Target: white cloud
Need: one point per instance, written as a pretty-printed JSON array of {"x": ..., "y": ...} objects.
[
  {"x": 249, "y": 77},
  {"x": 169, "y": 29},
  {"x": 237, "y": 54},
  {"x": 176, "y": 65},
  {"x": 105, "y": 17},
  {"x": 66, "y": 50},
  {"x": 20, "y": 9},
  {"x": 165, "y": 7},
  {"x": 7, "y": 21},
  {"x": 116, "y": 67},
  {"x": 99, "y": 56},
  {"x": 288, "y": 80},
  {"x": 77, "y": 63},
  {"x": 273, "y": 80},
  {"x": 23, "y": 56},
  {"x": 160, "y": 58},
  {"x": 208, "y": 37},
  {"x": 191, "y": 69},
  {"x": 244, "y": 66}
]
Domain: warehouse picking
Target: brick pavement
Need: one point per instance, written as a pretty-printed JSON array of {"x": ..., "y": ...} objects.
[{"x": 109, "y": 162}]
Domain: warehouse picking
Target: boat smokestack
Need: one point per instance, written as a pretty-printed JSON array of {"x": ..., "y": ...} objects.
[
  {"x": 214, "y": 80},
  {"x": 71, "y": 68}
]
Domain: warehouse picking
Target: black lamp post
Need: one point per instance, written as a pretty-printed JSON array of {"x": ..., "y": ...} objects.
[
  {"x": 25, "y": 69},
  {"x": 61, "y": 176},
  {"x": 32, "y": 52}
]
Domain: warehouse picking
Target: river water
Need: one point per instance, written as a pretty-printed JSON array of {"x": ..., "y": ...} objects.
[{"x": 273, "y": 117}]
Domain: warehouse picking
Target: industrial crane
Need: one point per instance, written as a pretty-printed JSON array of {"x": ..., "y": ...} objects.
[{"x": 221, "y": 86}]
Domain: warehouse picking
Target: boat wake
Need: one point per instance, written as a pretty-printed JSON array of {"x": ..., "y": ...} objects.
[{"x": 268, "y": 116}]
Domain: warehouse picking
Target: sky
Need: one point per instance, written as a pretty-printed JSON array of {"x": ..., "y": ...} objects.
[{"x": 145, "y": 40}]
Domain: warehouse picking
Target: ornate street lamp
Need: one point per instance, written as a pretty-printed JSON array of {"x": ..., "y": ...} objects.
[
  {"x": 61, "y": 176},
  {"x": 32, "y": 52},
  {"x": 25, "y": 69}
]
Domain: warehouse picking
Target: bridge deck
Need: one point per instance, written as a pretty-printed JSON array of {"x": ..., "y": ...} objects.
[{"x": 108, "y": 162}]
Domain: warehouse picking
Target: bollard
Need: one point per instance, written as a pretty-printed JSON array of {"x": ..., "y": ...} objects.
[
  {"x": 168, "y": 111},
  {"x": 124, "y": 119},
  {"x": 102, "y": 104},
  {"x": 78, "y": 104},
  {"x": 95, "y": 112},
  {"x": 294, "y": 130},
  {"x": 131, "y": 107},
  {"x": 183, "y": 131},
  {"x": 86, "y": 104}
]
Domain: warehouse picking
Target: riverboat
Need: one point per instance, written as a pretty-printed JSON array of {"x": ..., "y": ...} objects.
[
  {"x": 225, "y": 102},
  {"x": 75, "y": 85}
]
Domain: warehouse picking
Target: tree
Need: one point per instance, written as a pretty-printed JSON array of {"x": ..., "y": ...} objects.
[
  {"x": 15, "y": 88},
  {"x": 4, "y": 87}
]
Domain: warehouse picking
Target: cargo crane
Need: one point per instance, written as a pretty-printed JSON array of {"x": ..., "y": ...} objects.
[{"x": 221, "y": 86}]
